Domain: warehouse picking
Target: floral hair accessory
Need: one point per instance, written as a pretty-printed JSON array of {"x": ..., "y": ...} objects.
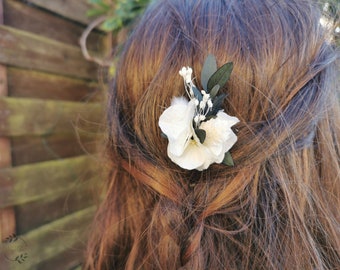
[{"x": 198, "y": 130}]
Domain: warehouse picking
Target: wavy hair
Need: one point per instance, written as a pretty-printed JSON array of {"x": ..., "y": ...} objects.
[{"x": 279, "y": 206}]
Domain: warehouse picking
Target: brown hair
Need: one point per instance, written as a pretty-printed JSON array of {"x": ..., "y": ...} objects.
[{"x": 278, "y": 207}]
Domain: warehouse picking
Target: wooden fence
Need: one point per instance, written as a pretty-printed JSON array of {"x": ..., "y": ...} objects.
[{"x": 50, "y": 121}]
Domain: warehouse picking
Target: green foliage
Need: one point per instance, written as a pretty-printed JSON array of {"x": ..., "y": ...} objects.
[
  {"x": 212, "y": 77},
  {"x": 228, "y": 160},
  {"x": 221, "y": 76},
  {"x": 118, "y": 13},
  {"x": 201, "y": 134},
  {"x": 331, "y": 12},
  {"x": 212, "y": 80},
  {"x": 209, "y": 68}
]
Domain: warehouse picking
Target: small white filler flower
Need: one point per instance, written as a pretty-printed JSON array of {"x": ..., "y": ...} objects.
[{"x": 198, "y": 130}]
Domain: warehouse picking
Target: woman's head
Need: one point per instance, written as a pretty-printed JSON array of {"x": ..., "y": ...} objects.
[
  {"x": 277, "y": 48},
  {"x": 277, "y": 207}
]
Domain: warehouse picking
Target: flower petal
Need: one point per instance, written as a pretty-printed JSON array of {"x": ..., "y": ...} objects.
[
  {"x": 176, "y": 123},
  {"x": 219, "y": 135},
  {"x": 193, "y": 157},
  {"x": 229, "y": 120}
]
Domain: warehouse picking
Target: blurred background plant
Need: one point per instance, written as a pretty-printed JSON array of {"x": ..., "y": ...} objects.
[
  {"x": 119, "y": 13},
  {"x": 115, "y": 16},
  {"x": 331, "y": 17}
]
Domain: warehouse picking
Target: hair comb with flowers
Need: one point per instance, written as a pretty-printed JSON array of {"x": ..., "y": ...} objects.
[{"x": 198, "y": 130}]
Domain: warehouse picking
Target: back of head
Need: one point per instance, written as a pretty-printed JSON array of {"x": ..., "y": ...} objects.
[{"x": 277, "y": 208}]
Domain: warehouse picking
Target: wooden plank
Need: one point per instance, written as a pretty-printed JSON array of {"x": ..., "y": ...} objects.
[
  {"x": 7, "y": 220},
  {"x": 28, "y": 183},
  {"x": 74, "y": 9},
  {"x": 5, "y": 153},
  {"x": 33, "y": 84},
  {"x": 79, "y": 267},
  {"x": 3, "y": 81},
  {"x": 32, "y": 149},
  {"x": 68, "y": 259},
  {"x": 1, "y": 12},
  {"x": 24, "y": 17},
  {"x": 80, "y": 196},
  {"x": 27, "y": 50},
  {"x": 21, "y": 116},
  {"x": 7, "y": 215},
  {"x": 50, "y": 240}
]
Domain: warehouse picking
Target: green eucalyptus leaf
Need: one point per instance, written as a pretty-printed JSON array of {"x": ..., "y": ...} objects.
[
  {"x": 214, "y": 91},
  {"x": 221, "y": 76},
  {"x": 209, "y": 68},
  {"x": 201, "y": 134},
  {"x": 197, "y": 93},
  {"x": 217, "y": 103},
  {"x": 209, "y": 116},
  {"x": 228, "y": 160}
]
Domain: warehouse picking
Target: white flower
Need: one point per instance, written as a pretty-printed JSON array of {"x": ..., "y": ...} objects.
[
  {"x": 186, "y": 73},
  {"x": 184, "y": 147}
]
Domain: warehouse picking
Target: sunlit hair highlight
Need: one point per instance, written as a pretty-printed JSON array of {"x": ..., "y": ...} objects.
[{"x": 278, "y": 207}]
